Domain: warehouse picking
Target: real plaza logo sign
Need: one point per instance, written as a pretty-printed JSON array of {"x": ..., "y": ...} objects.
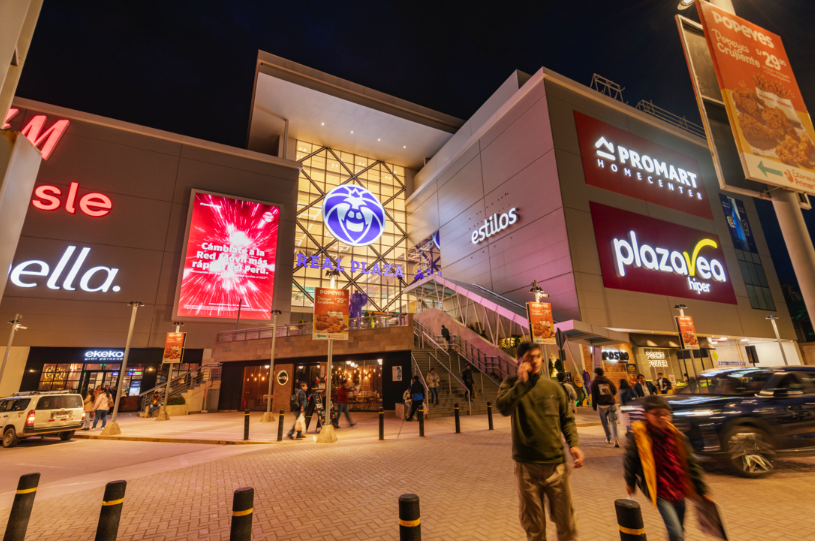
[
  {"x": 639, "y": 253},
  {"x": 619, "y": 161},
  {"x": 353, "y": 215}
]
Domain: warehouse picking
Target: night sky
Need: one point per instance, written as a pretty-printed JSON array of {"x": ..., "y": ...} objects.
[{"x": 187, "y": 66}]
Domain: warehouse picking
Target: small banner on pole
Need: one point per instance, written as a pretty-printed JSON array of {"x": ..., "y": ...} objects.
[
  {"x": 330, "y": 314},
  {"x": 687, "y": 332},
  {"x": 174, "y": 347},
  {"x": 541, "y": 322}
]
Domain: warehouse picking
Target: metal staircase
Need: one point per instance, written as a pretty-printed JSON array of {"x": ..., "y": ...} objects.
[{"x": 183, "y": 384}]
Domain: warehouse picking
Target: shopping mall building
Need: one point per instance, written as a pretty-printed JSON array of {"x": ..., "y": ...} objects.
[{"x": 616, "y": 214}]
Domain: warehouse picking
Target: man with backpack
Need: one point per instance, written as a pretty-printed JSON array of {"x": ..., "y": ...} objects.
[
  {"x": 568, "y": 389},
  {"x": 603, "y": 402},
  {"x": 298, "y": 403},
  {"x": 417, "y": 395}
]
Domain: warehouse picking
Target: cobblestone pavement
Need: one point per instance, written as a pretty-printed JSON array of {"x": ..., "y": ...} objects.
[{"x": 349, "y": 491}]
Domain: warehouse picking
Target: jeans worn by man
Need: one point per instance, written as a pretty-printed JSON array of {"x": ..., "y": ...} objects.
[
  {"x": 100, "y": 414},
  {"x": 541, "y": 417},
  {"x": 608, "y": 418}
]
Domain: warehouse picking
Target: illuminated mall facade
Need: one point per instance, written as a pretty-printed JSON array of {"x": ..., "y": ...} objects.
[{"x": 616, "y": 214}]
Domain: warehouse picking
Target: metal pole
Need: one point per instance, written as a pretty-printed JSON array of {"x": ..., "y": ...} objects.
[
  {"x": 14, "y": 325},
  {"x": 123, "y": 371},
  {"x": 267, "y": 418},
  {"x": 238, "y": 323},
  {"x": 778, "y": 338},
  {"x": 162, "y": 414}
]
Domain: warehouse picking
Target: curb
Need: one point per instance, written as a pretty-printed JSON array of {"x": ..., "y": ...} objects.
[{"x": 171, "y": 440}]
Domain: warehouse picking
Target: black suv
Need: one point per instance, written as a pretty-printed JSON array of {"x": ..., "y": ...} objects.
[{"x": 747, "y": 416}]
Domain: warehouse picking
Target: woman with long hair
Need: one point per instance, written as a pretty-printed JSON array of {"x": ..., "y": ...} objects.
[{"x": 626, "y": 394}]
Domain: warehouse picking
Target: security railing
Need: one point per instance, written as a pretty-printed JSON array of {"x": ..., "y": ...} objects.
[
  {"x": 425, "y": 338},
  {"x": 181, "y": 384},
  {"x": 300, "y": 329}
]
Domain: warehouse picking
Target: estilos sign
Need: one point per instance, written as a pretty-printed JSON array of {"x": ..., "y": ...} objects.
[
  {"x": 619, "y": 161},
  {"x": 495, "y": 224},
  {"x": 638, "y": 253}
]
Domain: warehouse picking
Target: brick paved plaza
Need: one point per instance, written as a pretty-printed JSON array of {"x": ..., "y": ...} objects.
[{"x": 349, "y": 490}]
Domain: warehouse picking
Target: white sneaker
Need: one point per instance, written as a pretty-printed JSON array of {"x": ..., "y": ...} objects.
[{"x": 616, "y": 442}]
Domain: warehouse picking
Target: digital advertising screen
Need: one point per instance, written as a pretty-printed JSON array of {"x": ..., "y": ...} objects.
[{"x": 230, "y": 248}]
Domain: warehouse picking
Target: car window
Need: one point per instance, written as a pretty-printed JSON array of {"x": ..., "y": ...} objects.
[
  {"x": 73, "y": 401},
  {"x": 4, "y": 404},
  {"x": 808, "y": 379},
  {"x": 790, "y": 383},
  {"x": 21, "y": 404},
  {"x": 45, "y": 403},
  {"x": 736, "y": 382}
]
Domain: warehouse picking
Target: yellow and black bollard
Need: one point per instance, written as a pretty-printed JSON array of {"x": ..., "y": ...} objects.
[
  {"x": 243, "y": 500},
  {"x": 112, "y": 503},
  {"x": 458, "y": 421},
  {"x": 280, "y": 425},
  {"x": 21, "y": 508},
  {"x": 381, "y": 423},
  {"x": 489, "y": 414},
  {"x": 629, "y": 518},
  {"x": 246, "y": 425},
  {"x": 421, "y": 420},
  {"x": 410, "y": 528}
]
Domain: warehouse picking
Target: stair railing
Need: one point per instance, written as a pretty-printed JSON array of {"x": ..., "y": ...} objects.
[
  {"x": 427, "y": 338},
  {"x": 182, "y": 383},
  {"x": 416, "y": 371}
]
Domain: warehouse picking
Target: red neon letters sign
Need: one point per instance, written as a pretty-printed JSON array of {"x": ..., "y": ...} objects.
[
  {"x": 92, "y": 204},
  {"x": 48, "y": 139}
]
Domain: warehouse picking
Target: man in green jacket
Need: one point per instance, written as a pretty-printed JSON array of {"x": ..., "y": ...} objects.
[{"x": 541, "y": 417}]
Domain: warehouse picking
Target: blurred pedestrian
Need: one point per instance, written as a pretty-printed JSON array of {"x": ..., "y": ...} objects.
[
  {"x": 659, "y": 459},
  {"x": 100, "y": 407},
  {"x": 663, "y": 384},
  {"x": 445, "y": 333},
  {"x": 627, "y": 395},
  {"x": 541, "y": 419},
  {"x": 644, "y": 388},
  {"x": 155, "y": 405},
  {"x": 416, "y": 395},
  {"x": 587, "y": 382},
  {"x": 433, "y": 381},
  {"x": 88, "y": 404},
  {"x": 571, "y": 394},
  {"x": 342, "y": 402},
  {"x": 298, "y": 407},
  {"x": 604, "y": 403},
  {"x": 467, "y": 377},
  {"x": 112, "y": 401}
]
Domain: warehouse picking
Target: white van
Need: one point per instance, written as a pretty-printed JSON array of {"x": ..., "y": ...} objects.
[{"x": 40, "y": 413}]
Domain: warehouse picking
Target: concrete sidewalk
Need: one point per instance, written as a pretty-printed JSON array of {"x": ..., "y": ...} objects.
[{"x": 226, "y": 428}]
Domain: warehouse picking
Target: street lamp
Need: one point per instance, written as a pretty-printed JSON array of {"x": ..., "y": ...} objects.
[
  {"x": 681, "y": 308},
  {"x": 772, "y": 319},
  {"x": 15, "y": 326},
  {"x": 162, "y": 413},
  {"x": 684, "y": 4},
  {"x": 268, "y": 417},
  {"x": 112, "y": 428},
  {"x": 538, "y": 291}
]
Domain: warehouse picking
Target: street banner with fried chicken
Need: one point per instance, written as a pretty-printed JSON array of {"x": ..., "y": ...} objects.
[
  {"x": 771, "y": 125},
  {"x": 541, "y": 322},
  {"x": 330, "y": 314},
  {"x": 687, "y": 332}
]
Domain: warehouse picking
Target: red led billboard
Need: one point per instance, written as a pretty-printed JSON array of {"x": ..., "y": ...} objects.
[
  {"x": 619, "y": 161},
  {"x": 638, "y": 253},
  {"x": 229, "y": 258}
]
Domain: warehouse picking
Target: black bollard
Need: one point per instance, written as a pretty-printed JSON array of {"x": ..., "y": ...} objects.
[
  {"x": 280, "y": 425},
  {"x": 629, "y": 519},
  {"x": 112, "y": 503},
  {"x": 410, "y": 528},
  {"x": 21, "y": 508},
  {"x": 458, "y": 422},
  {"x": 421, "y": 421},
  {"x": 246, "y": 425},
  {"x": 242, "y": 501},
  {"x": 381, "y": 423},
  {"x": 489, "y": 414}
]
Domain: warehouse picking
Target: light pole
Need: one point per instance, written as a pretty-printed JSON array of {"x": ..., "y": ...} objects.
[
  {"x": 772, "y": 319},
  {"x": 162, "y": 413},
  {"x": 15, "y": 326},
  {"x": 327, "y": 434},
  {"x": 268, "y": 417},
  {"x": 539, "y": 294},
  {"x": 681, "y": 308},
  {"x": 112, "y": 428}
]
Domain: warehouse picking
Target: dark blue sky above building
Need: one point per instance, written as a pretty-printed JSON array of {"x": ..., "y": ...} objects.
[{"x": 187, "y": 66}]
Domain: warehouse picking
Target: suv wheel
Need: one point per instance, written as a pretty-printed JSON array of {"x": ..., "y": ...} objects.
[
  {"x": 65, "y": 436},
  {"x": 750, "y": 452},
  {"x": 10, "y": 437}
]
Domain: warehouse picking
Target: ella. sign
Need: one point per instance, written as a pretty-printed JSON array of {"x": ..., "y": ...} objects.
[
  {"x": 495, "y": 224},
  {"x": 89, "y": 281}
]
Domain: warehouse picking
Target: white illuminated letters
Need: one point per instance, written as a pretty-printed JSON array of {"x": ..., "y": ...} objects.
[
  {"x": 41, "y": 268},
  {"x": 494, "y": 224}
]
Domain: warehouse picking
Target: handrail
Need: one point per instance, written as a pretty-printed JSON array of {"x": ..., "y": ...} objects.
[
  {"x": 179, "y": 385},
  {"x": 300, "y": 329},
  {"x": 454, "y": 377},
  {"x": 424, "y": 335}
]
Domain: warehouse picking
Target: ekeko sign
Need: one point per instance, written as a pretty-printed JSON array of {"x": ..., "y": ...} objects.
[
  {"x": 621, "y": 162},
  {"x": 639, "y": 253}
]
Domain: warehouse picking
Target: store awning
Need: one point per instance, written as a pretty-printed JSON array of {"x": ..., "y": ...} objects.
[{"x": 664, "y": 341}]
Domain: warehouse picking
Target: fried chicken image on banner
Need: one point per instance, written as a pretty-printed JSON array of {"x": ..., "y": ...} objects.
[
  {"x": 748, "y": 102},
  {"x": 777, "y": 123},
  {"x": 757, "y": 134},
  {"x": 793, "y": 150}
]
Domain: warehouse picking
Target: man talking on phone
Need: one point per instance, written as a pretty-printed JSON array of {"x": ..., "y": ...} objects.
[{"x": 541, "y": 418}]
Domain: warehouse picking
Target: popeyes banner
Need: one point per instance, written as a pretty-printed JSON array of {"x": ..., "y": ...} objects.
[
  {"x": 687, "y": 332},
  {"x": 174, "y": 347},
  {"x": 770, "y": 122},
  {"x": 541, "y": 322},
  {"x": 330, "y": 314}
]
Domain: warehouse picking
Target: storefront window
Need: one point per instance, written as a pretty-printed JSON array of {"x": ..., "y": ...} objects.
[
  {"x": 363, "y": 380},
  {"x": 255, "y": 387}
]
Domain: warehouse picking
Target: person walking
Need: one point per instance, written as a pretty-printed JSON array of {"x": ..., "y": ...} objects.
[
  {"x": 342, "y": 402},
  {"x": 112, "y": 401},
  {"x": 298, "y": 406},
  {"x": 659, "y": 460},
  {"x": 571, "y": 394},
  {"x": 445, "y": 333},
  {"x": 467, "y": 377},
  {"x": 311, "y": 404},
  {"x": 663, "y": 383},
  {"x": 603, "y": 402},
  {"x": 644, "y": 388},
  {"x": 88, "y": 404},
  {"x": 587, "y": 383},
  {"x": 433, "y": 381},
  {"x": 627, "y": 395},
  {"x": 417, "y": 395},
  {"x": 541, "y": 419},
  {"x": 101, "y": 404}
]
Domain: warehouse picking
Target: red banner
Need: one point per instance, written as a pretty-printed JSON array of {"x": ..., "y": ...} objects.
[
  {"x": 621, "y": 162},
  {"x": 330, "y": 314},
  {"x": 638, "y": 253},
  {"x": 541, "y": 322},
  {"x": 687, "y": 332}
]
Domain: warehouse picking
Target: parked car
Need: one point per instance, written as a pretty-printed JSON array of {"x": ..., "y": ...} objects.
[
  {"x": 747, "y": 417},
  {"x": 40, "y": 413}
]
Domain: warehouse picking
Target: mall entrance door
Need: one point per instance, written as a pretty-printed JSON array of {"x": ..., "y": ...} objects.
[{"x": 96, "y": 378}]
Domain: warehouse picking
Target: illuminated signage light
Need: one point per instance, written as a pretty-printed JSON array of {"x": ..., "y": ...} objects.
[
  {"x": 353, "y": 215},
  {"x": 614, "y": 356},
  {"x": 104, "y": 354},
  {"x": 655, "y": 355},
  {"x": 95, "y": 205},
  {"x": 494, "y": 224},
  {"x": 313, "y": 262},
  {"x": 27, "y": 268}
]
